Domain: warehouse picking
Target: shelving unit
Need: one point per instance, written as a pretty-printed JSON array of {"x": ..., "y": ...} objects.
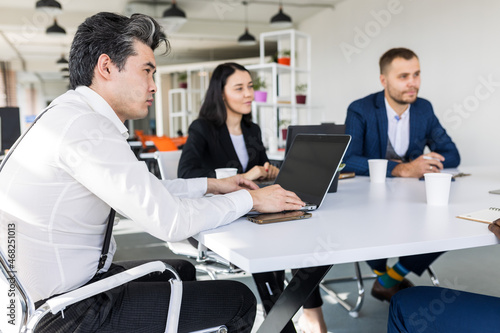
[{"x": 282, "y": 79}]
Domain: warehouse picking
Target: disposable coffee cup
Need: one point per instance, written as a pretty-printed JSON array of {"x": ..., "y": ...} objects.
[
  {"x": 378, "y": 170},
  {"x": 437, "y": 188},
  {"x": 225, "y": 172}
]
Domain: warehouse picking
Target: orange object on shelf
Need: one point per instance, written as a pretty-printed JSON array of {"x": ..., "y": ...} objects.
[{"x": 162, "y": 143}]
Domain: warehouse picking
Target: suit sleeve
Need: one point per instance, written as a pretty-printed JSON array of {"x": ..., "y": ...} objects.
[
  {"x": 440, "y": 142},
  {"x": 355, "y": 126},
  {"x": 191, "y": 162}
]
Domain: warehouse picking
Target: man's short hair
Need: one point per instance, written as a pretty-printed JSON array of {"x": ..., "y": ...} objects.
[
  {"x": 387, "y": 58},
  {"x": 111, "y": 34}
]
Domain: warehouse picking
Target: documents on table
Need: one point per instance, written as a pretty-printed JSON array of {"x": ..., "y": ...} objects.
[{"x": 485, "y": 215}]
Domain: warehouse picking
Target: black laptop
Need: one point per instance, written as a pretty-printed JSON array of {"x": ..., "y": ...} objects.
[{"x": 311, "y": 164}]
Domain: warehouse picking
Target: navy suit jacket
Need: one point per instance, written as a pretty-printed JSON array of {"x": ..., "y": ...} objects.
[
  {"x": 367, "y": 123},
  {"x": 209, "y": 147}
]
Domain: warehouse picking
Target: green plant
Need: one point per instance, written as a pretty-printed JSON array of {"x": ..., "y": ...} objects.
[
  {"x": 284, "y": 123},
  {"x": 301, "y": 89},
  {"x": 285, "y": 53},
  {"x": 182, "y": 77},
  {"x": 259, "y": 83}
]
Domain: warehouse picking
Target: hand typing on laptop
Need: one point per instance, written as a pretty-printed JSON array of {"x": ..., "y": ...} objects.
[{"x": 275, "y": 199}]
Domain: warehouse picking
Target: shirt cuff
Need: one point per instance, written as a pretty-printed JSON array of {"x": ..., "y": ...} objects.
[{"x": 242, "y": 201}]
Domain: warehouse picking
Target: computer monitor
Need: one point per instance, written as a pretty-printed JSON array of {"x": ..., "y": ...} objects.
[{"x": 10, "y": 127}]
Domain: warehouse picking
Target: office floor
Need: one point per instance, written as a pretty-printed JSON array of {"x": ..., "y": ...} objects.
[{"x": 474, "y": 270}]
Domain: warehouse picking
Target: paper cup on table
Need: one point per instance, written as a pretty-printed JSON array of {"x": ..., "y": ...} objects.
[
  {"x": 378, "y": 170},
  {"x": 437, "y": 188},
  {"x": 225, "y": 172}
]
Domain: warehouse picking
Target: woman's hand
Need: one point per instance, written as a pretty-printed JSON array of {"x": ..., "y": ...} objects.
[{"x": 267, "y": 171}]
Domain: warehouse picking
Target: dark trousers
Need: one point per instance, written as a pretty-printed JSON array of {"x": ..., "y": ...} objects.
[
  {"x": 271, "y": 284},
  {"x": 416, "y": 263},
  {"x": 142, "y": 305},
  {"x": 433, "y": 310}
]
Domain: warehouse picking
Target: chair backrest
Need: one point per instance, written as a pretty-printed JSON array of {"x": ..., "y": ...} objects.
[
  {"x": 19, "y": 304},
  {"x": 168, "y": 162}
]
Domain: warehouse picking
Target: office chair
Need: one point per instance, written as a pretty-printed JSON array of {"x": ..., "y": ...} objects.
[
  {"x": 209, "y": 262},
  {"x": 358, "y": 277},
  {"x": 31, "y": 316}
]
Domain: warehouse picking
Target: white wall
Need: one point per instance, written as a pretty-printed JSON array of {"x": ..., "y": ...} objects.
[{"x": 459, "y": 49}]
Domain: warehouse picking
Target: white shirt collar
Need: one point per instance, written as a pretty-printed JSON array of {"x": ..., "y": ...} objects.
[
  {"x": 99, "y": 105},
  {"x": 392, "y": 115}
]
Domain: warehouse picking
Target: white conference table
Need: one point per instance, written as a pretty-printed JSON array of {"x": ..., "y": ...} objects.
[{"x": 362, "y": 221}]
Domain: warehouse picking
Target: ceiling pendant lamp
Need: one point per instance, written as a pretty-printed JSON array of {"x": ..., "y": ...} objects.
[
  {"x": 62, "y": 61},
  {"x": 174, "y": 14},
  {"x": 281, "y": 20},
  {"x": 51, "y": 7},
  {"x": 246, "y": 38},
  {"x": 55, "y": 30}
]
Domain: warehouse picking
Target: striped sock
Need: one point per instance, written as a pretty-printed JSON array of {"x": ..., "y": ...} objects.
[{"x": 393, "y": 276}]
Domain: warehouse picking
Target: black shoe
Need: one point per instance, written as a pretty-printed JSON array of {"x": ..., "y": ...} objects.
[{"x": 385, "y": 294}]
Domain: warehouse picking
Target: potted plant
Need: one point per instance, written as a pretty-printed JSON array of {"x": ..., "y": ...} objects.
[
  {"x": 260, "y": 95},
  {"x": 300, "y": 93},
  {"x": 284, "y": 57},
  {"x": 182, "y": 78},
  {"x": 283, "y": 124}
]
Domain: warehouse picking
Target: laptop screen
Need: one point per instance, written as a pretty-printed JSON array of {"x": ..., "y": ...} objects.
[
  {"x": 311, "y": 164},
  {"x": 326, "y": 128}
]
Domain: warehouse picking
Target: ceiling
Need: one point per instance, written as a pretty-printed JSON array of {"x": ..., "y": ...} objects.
[{"x": 210, "y": 33}]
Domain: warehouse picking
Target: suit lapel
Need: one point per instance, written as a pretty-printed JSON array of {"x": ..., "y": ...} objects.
[
  {"x": 227, "y": 145},
  {"x": 381, "y": 114},
  {"x": 415, "y": 121}
]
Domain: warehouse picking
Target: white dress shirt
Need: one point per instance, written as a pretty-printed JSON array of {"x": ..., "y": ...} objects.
[
  {"x": 398, "y": 129},
  {"x": 59, "y": 184}
]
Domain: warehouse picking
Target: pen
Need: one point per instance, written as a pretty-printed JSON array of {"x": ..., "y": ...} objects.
[{"x": 430, "y": 158}]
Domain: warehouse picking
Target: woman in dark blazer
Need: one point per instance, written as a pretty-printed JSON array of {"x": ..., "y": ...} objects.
[{"x": 224, "y": 136}]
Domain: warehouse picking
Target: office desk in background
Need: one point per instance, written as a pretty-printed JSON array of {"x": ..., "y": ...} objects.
[{"x": 362, "y": 221}]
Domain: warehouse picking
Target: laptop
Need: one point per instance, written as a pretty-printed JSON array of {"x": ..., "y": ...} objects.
[{"x": 310, "y": 166}]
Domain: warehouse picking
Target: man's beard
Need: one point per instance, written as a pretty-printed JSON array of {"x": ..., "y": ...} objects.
[{"x": 400, "y": 101}]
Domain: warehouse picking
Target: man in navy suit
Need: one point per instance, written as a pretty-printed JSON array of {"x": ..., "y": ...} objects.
[{"x": 396, "y": 125}]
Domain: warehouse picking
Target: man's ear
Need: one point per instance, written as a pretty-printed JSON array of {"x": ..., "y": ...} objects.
[
  {"x": 383, "y": 80},
  {"x": 104, "y": 66}
]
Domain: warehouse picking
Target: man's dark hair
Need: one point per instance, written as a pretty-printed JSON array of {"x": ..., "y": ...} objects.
[
  {"x": 111, "y": 34},
  {"x": 213, "y": 108},
  {"x": 387, "y": 58}
]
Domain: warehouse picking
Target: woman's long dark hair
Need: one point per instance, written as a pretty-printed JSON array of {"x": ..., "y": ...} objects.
[{"x": 213, "y": 108}]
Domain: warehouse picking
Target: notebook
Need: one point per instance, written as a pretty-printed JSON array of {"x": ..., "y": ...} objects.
[
  {"x": 485, "y": 215},
  {"x": 310, "y": 166}
]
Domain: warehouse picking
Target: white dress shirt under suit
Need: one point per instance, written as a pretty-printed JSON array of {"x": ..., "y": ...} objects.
[{"x": 59, "y": 184}]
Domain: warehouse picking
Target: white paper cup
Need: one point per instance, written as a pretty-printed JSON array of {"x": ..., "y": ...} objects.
[
  {"x": 437, "y": 188},
  {"x": 225, "y": 172},
  {"x": 378, "y": 170}
]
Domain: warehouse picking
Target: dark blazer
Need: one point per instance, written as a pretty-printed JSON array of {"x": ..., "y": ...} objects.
[
  {"x": 209, "y": 147},
  {"x": 367, "y": 123}
]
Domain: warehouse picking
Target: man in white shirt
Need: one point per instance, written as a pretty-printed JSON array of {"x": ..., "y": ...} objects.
[
  {"x": 396, "y": 125},
  {"x": 58, "y": 184}
]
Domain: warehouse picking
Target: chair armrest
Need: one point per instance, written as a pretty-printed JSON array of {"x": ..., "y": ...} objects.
[{"x": 59, "y": 303}]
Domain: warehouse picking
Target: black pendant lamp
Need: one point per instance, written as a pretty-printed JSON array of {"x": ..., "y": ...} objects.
[
  {"x": 62, "y": 61},
  {"x": 174, "y": 14},
  {"x": 246, "y": 38},
  {"x": 49, "y": 6},
  {"x": 55, "y": 29},
  {"x": 281, "y": 20}
]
